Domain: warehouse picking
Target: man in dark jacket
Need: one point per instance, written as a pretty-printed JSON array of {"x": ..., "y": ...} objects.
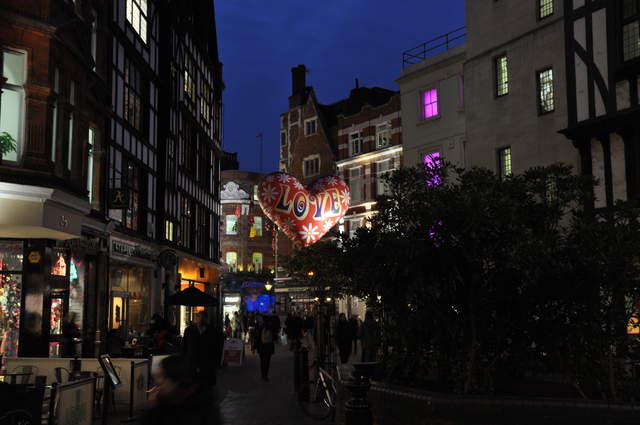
[{"x": 200, "y": 347}]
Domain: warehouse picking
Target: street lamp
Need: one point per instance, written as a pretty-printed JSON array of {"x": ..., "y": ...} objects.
[
  {"x": 268, "y": 286},
  {"x": 310, "y": 274}
]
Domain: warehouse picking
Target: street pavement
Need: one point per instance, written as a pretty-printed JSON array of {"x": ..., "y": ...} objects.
[{"x": 244, "y": 399}]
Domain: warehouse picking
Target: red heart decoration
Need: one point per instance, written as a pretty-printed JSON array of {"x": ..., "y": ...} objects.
[{"x": 304, "y": 215}]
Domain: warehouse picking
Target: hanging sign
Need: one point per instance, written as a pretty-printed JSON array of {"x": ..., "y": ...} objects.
[
  {"x": 304, "y": 215},
  {"x": 35, "y": 257},
  {"x": 119, "y": 199}
]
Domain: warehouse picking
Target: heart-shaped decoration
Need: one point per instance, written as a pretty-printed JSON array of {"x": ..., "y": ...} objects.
[{"x": 304, "y": 215}]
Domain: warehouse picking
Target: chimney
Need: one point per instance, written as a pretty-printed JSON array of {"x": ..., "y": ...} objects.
[{"x": 298, "y": 79}]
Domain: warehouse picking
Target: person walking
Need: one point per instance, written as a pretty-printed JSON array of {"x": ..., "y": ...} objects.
[
  {"x": 235, "y": 322},
  {"x": 200, "y": 347},
  {"x": 266, "y": 345},
  {"x": 343, "y": 338},
  {"x": 178, "y": 397},
  {"x": 354, "y": 327},
  {"x": 370, "y": 338}
]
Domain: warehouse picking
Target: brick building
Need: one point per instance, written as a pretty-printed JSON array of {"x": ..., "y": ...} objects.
[{"x": 247, "y": 235}]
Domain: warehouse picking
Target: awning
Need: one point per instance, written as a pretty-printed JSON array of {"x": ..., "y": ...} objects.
[{"x": 41, "y": 213}]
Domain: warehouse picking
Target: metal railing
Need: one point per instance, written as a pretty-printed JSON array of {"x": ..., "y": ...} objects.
[{"x": 433, "y": 47}]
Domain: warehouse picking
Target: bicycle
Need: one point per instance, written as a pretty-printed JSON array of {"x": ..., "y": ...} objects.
[{"x": 318, "y": 397}]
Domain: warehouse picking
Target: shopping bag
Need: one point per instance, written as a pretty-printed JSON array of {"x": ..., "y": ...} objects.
[{"x": 283, "y": 339}]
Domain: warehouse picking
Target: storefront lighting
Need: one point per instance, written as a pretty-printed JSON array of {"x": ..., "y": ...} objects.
[
  {"x": 268, "y": 286},
  {"x": 316, "y": 299},
  {"x": 232, "y": 300},
  {"x": 310, "y": 274},
  {"x": 328, "y": 299}
]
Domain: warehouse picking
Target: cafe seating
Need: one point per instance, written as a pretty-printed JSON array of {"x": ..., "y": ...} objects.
[{"x": 26, "y": 373}]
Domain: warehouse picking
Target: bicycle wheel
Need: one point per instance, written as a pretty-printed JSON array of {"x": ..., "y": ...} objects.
[{"x": 320, "y": 404}]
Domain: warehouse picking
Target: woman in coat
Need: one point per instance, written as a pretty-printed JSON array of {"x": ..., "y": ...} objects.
[{"x": 265, "y": 342}]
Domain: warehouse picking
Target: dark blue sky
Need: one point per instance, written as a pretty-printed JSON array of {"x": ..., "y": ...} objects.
[{"x": 338, "y": 40}]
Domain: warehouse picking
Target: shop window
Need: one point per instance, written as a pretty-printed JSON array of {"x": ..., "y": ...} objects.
[
  {"x": 231, "y": 225},
  {"x": 59, "y": 264},
  {"x": 12, "y": 100},
  {"x": 11, "y": 257},
  {"x": 256, "y": 259},
  {"x": 130, "y": 308},
  {"x": 136, "y": 11},
  {"x": 231, "y": 259}
]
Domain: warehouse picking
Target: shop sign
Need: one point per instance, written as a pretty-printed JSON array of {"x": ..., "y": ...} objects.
[
  {"x": 119, "y": 199},
  {"x": 83, "y": 245},
  {"x": 129, "y": 250},
  {"x": 232, "y": 300},
  {"x": 233, "y": 352},
  {"x": 35, "y": 257}
]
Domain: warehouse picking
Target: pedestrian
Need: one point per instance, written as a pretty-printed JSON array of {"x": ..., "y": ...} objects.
[
  {"x": 245, "y": 326},
  {"x": 370, "y": 338},
  {"x": 201, "y": 347},
  {"x": 343, "y": 338},
  {"x": 178, "y": 397},
  {"x": 227, "y": 325},
  {"x": 235, "y": 322},
  {"x": 70, "y": 336},
  {"x": 266, "y": 345},
  {"x": 354, "y": 327},
  {"x": 292, "y": 331}
]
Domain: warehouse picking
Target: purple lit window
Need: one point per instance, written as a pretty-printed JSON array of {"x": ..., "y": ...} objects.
[
  {"x": 432, "y": 163},
  {"x": 430, "y": 103}
]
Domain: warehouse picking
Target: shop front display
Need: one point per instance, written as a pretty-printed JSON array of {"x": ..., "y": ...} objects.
[
  {"x": 130, "y": 307},
  {"x": 202, "y": 276},
  {"x": 11, "y": 258}
]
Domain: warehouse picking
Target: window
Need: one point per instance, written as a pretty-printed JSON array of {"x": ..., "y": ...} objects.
[
  {"x": 132, "y": 183},
  {"x": 231, "y": 258},
  {"x": 432, "y": 162},
  {"x": 133, "y": 89},
  {"x": 354, "y": 225},
  {"x": 169, "y": 230},
  {"x": 504, "y": 162},
  {"x": 189, "y": 78},
  {"x": 72, "y": 102},
  {"x": 383, "y": 168},
  {"x": 257, "y": 226},
  {"x": 283, "y": 138},
  {"x": 430, "y": 104},
  {"x": 310, "y": 127},
  {"x": 383, "y": 135},
  {"x": 91, "y": 141},
  {"x": 355, "y": 144},
  {"x": 232, "y": 225},
  {"x": 14, "y": 69},
  {"x": 630, "y": 29},
  {"x": 545, "y": 8},
  {"x": 545, "y": 91},
  {"x": 205, "y": 100},
  {"x": 136, "y": 11},
  {"x": 255, "y": 192},
  {"x": 355, "y": 184},
  {"x": 186, "y": 225},
  {"x": 54, "y": 118},
  {"x": 256, "y": 259},
  {"x": 502, "y": 76},
  {"x": 311, "y": 167}
]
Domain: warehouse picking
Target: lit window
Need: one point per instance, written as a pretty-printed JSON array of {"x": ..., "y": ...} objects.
[
  {"x": 54, "y": 124},
  {"x": 12, "y": 107},
  {"x": 355, "y": 144},
  {"x": 504, "y": 163},
  {"x": 355, "y": 184},
  {"x": 168, "y": 230},
  {"x": 90, "y": 162},
  {"x": 545, "y": 91},
  {"x": 311, "y": 167},
  {"x": 502, "y": 76},
  {"x": 430, "y": 104},
  {"x": 232, "y": 225},
  {"x": 383, "y": 135},
  {"x": 205, "y": 100},
  {"x": 257, "y": 227},
  {"x": 256, "y": 259},
  {"x": 310, "y": 127},
  {"x": 231, "y": 259},
  {"x": 383, "y": 168},
  {"x": 255, "y": 192},
  {"x": 94, "y": 38},
  {"x": 354, "y": 225},
  {"x": 72, "y": 96},
  {"x": 189, "y": 78},
  {"x": 136, "y": 11},
  {"x": 630, "y": 29},
  {"x": 545, "y": 8}
]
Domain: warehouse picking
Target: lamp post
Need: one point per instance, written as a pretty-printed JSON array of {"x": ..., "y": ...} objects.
[{"x": 268, "y": 286}]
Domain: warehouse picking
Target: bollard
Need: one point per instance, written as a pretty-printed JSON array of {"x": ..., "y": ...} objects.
[
  {"x": 296, "y": 370},
  {"x": 304, "y": 375}
]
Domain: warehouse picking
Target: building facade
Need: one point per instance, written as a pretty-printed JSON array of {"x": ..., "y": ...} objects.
[
  {"x": 53, "y": 120},
  {"x": 515, "y": 96},
  {"x": 603, "y": 68}
]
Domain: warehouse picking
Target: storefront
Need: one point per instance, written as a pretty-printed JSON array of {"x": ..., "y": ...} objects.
[
  {"x": 203, "y": 276},
  {"x": 134, "y": 291}
]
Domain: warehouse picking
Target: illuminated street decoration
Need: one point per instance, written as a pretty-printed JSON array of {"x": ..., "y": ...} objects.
[{"x": 304, "y": 215}]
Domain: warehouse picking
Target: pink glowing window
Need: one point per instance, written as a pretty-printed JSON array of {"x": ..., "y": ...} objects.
[
  {"x": 432, "y": 163},
  {"x": 430, "y": 103}
]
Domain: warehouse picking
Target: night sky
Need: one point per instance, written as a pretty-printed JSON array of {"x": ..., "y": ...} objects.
[{"x": 338, "y": 40}]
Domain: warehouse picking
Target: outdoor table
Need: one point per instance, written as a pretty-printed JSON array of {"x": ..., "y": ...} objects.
[{"x": 14, "y": 375}]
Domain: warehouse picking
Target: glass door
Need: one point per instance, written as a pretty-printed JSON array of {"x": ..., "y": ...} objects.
[{"x": 58, "y": 310}]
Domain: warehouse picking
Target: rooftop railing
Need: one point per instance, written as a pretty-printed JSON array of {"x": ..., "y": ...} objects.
[{"x": 433, "y": 47}]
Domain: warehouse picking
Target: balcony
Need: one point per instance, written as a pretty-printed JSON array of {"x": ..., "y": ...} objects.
[{"x": 433, "y": 47}]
